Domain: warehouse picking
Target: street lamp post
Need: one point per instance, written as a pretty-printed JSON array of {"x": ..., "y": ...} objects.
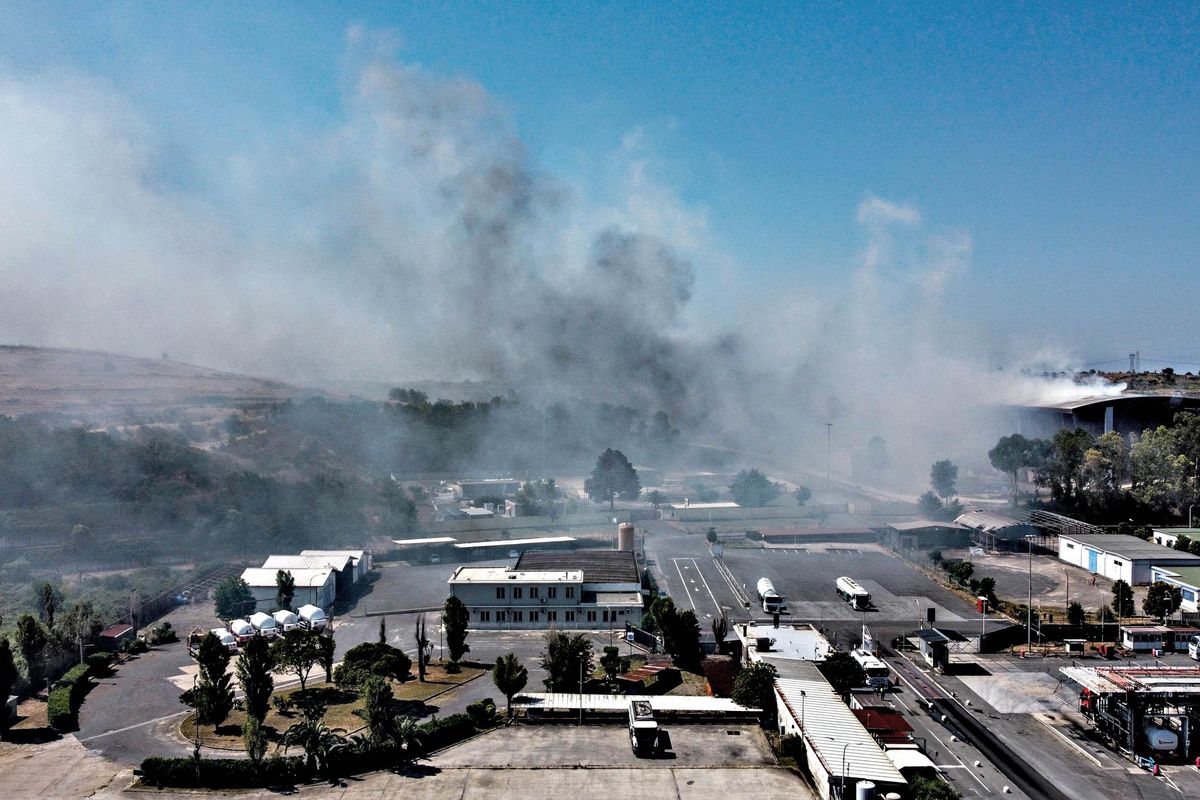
[{"x": 1029, "y": 606}]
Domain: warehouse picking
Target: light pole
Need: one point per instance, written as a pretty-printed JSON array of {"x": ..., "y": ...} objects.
[
  {"x": 581, "y": 690},
  {"x": 803, "y": 696},
  {"x": 1029, "y": 606}
]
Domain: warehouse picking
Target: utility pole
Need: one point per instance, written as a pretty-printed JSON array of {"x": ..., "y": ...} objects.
[{"x": 581, "y": 689}]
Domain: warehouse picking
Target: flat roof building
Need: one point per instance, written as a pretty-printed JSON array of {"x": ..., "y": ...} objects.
[
  {"x": 925, "y": 534},
  {"x": 587, "y": 589},
  {"x": 360, "y": 558},
  {"x": 784, "y": 647},
  {"x": 1188, "y": 581},
  {"x": 1120, "y": 557},
  {"x": 499, "y": 548}
]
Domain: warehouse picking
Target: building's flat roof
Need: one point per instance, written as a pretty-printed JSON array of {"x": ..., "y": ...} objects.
[
  {"x": 338, "y": 562},
  {"x": 922, "y": 524},
  {"x": 1188, "y": 575},
  {"x": 1143, "y": 680},
  {"x": 617, "y": 598},
  {"x": 799, "y": 642},
  {"x": 515, "y": 542},
  {"x": 305, "y": 578},
  {"x": 488, "y": 481},
  {"x": 1130, "y": 547},
  {"x": 426, "y": 540},
  {"x": 831, "y": 729},
  {"x": 784, "y": 533},
  {"x": 357, "y": 555},
  {"x": 476, "y": 512},
  {"x": 909, "y": 758},
  {"x": 703, "y": 506},
  {"x": 561, "y": 701},
  {"x": 598, "y": 566},
  {"x": 503, "y": 575},
  {"x": 1191, "y": 533}
]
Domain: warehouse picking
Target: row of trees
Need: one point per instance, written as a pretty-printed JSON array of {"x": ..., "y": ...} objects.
[{"x": 1158, "y": 471}]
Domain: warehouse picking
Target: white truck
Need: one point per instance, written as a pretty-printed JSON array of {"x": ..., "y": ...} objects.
[
  {"x": 772, "y": 603},
  {"x": 242, "y": 630},
  {"x": 312, "y": 617},
  {"x": 223, "y": 636},
  {"x": 264, "y": 624},
  {"x": 643, "y": 729},
  {"x": 286, "y": 621}
]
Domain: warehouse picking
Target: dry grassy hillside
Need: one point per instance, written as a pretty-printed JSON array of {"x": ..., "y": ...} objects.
[{"x": 103, "y": 389}]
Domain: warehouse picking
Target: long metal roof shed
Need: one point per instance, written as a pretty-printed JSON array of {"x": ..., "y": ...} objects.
[
  {"x": 425, "y": 540},
  {"x": 832, "y": 731},
  {"x": 567, "y": 701},
  {"x": 514, "y": 542}
]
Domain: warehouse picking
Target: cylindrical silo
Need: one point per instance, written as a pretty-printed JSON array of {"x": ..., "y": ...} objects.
[
  {"x": 864, "y": 790},
  {"x": 625, "y": 536}
]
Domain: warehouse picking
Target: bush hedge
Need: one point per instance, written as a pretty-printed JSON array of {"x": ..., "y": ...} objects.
[
  {"x": 439, "y": 733},
  {"x": 62, "y": 706},
  {"x": 236, "y": 773},
  {"x": 482, "y": 712},
  {"x": 225, "y": 773}
]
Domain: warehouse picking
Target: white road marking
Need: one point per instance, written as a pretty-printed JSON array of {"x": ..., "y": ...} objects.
[
  {"x": 137, "y": 725},
  {"x": 683, "y": 583}
]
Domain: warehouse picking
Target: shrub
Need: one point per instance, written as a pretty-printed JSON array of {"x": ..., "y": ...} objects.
[
  {"x": 283, "y": 703},
  {"x": 439, "y": 733},
  {"x": 225, "y": 773},
  {"x": 99, "y": 663},
  {"x": 482, "y": 712},
  {"x": 62, "y": 706},
  {"x": 138, "y": 646},
  {"x": 371, "y": 658}
]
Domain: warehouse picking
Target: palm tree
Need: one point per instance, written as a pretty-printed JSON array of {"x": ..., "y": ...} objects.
[
  {"x": 407, "y": 734},
  {"x": 318, "y": 741},
  {"x": 510, "y": 677}
]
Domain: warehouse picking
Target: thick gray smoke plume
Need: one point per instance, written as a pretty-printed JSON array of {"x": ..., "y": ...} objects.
[{"x": 414, "y": 240}]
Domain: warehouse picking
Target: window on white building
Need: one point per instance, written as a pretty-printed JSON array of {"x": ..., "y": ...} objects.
[
  {"x": 516, "y": 593},
  {"x": 499, "y": 592},
  {"x": 570, "y": 591},
  {"x": 552, "y": 592},
  {"x": 533, "y": 591},
  {"x": 570, "y": 616},
  {"x": 518, "y": 616},
  {"x": 591, "y": 616}
]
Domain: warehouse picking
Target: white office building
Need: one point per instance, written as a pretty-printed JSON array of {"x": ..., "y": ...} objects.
[
  {"x": 314, "y": 586},
  {"x": 1120, "y": 557},
  {"x": 584, "y": 589}
]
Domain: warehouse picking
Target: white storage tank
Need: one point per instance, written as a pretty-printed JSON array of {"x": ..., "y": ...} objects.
[
  {"x": 226, "y": 638},
  {"x": 864, "y": 790},
  {"x": 312, "y": 617},
  {"x": 285, "y": 621},
  {"x": 264, "y": 624},
  {"x": 241, "y": 629}
]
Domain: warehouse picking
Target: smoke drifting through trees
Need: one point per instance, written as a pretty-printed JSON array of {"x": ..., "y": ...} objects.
[{"x": 414, "y": 238}]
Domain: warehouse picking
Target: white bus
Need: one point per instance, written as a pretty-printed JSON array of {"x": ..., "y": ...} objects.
[
  {"x": 849, "y": 590},
  {"x": 879, "y": 676},
  {"x": 772, "y": 603}
]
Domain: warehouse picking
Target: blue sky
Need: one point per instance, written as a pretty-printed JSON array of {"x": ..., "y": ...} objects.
[{"x": 1064, "y": 138}]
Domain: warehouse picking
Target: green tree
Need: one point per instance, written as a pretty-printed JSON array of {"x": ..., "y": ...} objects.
[
  {"x": 935, "y": 556},
  {"x": 1075, "y": 613},
  {"x": 754, "y": 687},
  {"x": 564, "y": 657},
  {"x": 212, "y": 695},
  {"x": 49, "y": 599},
  {"x": 987, "y": 588},
  {"x": 377, "y": 709},
  {"x": 1156, "y": 470},
  {"x": 1010, "y": 455},
  {"x": 1122, "y": 603},
  {"x": 422, "y": 646},
  {"x": 318, "y": 741},
  {"x": 613, "y": 476},
  {"x": 753, "y": 489},
  {"x": 610, "y": 662},
  {"x": 842, "y": 672},
  {"x": 1183, "y": 543},
  {"x": 326, "y": 648},
  {"x": 655, "y": 498},
  {"x": 296, "y": 653},
  {"x": 1103, "y": 468},
  {"x": 536, "y": 498},
  {"x": 931, "y": 506},
  {"x": 8, "y": 670},
  {"x": 253, "y": 670},
  {"x": 233, "y": 598},
  {"x": 711, "y": 536},
  {"x": 685, "y": 639},
  {"x": 285, "y": 589},
  {"x": 942, "y": 477},
  {"x": 372, "y": 658},
  {"x": 961, "y": 571},
  {"x": 802, "y": 495},
  {"x": 1062, "y": 467},
  {"x": 254, "y": 739},
  {"x": 720, "y": 629},
  {"x": 32, "y": 641},
  {"x": 933, "y": 789},
  {"x": 455, "y": 619},
  {"x": 510, "y": 677},
  {"x": 1162, "y": 600}
]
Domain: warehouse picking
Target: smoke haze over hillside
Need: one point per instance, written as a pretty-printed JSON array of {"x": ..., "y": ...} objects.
[{"x": 414, "y": 239}]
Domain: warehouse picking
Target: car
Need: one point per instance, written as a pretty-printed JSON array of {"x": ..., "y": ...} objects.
[{"x": 513, "y": 554}]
